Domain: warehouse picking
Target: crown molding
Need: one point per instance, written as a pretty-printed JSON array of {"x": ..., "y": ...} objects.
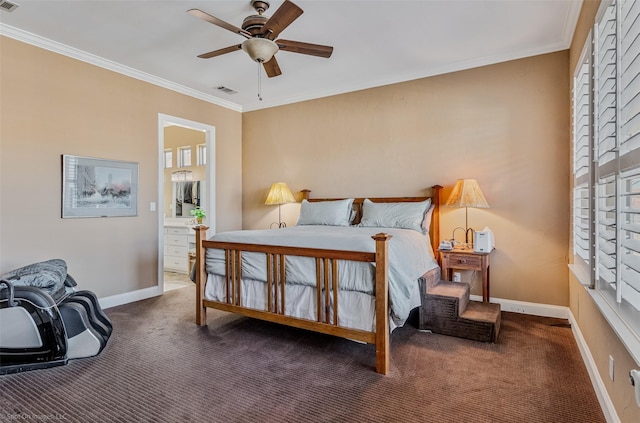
[
  {"x": 56, "y": 47},
  {"x": 410, "y": 76},
  {"x": 570, "y": 23}
]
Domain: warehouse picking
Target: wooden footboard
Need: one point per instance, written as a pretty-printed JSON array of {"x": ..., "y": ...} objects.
[{"x": 326, "y": 280}]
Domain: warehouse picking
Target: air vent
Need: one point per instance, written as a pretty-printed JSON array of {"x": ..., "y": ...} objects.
[
  {"x": 8, "y": 6},
  {"x": 226, "y": 90}
]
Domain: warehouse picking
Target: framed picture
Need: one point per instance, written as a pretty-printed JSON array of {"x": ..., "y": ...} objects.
[{"x": 98, "y": 187}]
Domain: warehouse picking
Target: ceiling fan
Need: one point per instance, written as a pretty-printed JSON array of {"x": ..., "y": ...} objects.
[{"x": 260, "y": 32}]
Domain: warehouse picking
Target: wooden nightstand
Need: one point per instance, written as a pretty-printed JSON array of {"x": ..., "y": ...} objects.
[{"x": 466, "y": 260}]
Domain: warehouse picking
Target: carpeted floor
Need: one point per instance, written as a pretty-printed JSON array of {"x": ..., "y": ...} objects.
[{"x": 160, "y": 367}]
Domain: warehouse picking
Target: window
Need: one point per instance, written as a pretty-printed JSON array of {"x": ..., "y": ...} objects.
[
  {"x": 201, "y": 155},
  {"x": 168, "y": 158},
  {"x": 184, "y": 156},
  {"x": 606, "y": 160}
]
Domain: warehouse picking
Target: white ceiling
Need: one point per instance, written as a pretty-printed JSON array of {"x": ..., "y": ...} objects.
[{"x": 375, "y": 42}]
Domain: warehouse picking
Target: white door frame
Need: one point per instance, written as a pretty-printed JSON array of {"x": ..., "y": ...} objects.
[{"x": 208, "y": 197}]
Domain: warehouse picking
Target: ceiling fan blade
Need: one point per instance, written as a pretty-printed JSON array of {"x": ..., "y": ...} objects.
[
  {"x": 281, "y": 19},
  {"x": 219, "y": 22},
  {"x": 271, "y": 68},
  {"x": 220, "y": 51},
  {"x": 305, "y": 48}
]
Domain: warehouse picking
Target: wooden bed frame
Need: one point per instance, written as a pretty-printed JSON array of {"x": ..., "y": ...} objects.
[{"x": 328, "y": 279}]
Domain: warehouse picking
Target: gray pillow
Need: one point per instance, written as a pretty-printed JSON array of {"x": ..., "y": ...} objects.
[
  {"x": 428, "y": 216},
  {"x": 332, "y": 213},
  {"x": 394, "y": 215}
]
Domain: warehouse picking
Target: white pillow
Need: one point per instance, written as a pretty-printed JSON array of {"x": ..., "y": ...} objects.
[
  {"x": 394, "y": 215},
  {"x": 333, "y": 213}
]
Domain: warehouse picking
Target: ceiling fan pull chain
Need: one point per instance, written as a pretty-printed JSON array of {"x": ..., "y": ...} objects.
[{"x": 259, "y": 82}]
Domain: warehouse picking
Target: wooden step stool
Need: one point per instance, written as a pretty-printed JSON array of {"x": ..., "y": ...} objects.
[{"x": 446, "y": 309}]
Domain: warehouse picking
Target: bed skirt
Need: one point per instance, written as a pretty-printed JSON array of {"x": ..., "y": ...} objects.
[{"x": 357, "y": 310}]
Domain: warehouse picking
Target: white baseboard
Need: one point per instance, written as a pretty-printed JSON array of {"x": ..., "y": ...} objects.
[
  {"x": 129, "y": 297},
  {"x": 598, "y": 385},
  {"x": 523, "y": 307}
]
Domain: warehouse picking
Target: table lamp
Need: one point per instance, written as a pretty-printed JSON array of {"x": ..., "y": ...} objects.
[
  {"x": 279, "y": 194},
  {"x": 467, "y": 193}
]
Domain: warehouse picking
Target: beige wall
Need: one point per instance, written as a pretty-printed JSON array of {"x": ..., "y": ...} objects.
[
  {"x": 174, "y": 137},
  {"x": 598, "y": 334},
  {"x": 506, "y": 125},
  {"x": 53, "y": 105}
]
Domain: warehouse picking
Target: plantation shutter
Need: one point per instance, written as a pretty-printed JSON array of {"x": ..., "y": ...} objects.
[
  {"x": 630, "y": 248},
  {"x": 606, "y": 147},
  {"x": 581, "y": 159},
  {"x": 629, "y": 160}
]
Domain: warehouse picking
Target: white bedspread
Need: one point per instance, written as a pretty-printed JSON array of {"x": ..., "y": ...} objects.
[{"x": 410, "y": 256}]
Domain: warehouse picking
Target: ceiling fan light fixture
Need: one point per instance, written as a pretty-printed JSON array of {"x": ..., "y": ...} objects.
[{"x": 260, "y": 50}]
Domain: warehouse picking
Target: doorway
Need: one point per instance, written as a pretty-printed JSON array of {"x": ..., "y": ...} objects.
[{"x": 186, "y": 180}]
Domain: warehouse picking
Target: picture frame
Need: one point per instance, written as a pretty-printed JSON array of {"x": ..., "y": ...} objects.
[{"x": 93, "y": 187}]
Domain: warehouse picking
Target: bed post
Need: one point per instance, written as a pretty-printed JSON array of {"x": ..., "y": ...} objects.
[
  {"x": 435, "y": 220},
  {"x": 201, "y": 276},
  {"x": 305, "y": 194},
  {"x": 382, "y": 303}
]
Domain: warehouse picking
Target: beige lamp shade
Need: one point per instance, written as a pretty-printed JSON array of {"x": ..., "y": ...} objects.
[
  {"x": 467, "y": 193},
  {"x": 279, "y": 194}
]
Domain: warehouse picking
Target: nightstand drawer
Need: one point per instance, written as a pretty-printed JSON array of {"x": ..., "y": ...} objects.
[{"x": 463, "y": 261}]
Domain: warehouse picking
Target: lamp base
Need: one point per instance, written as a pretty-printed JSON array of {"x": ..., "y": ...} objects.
[
  {"x": 466, "y": 235},
  {"x": 468, "y": 238}
]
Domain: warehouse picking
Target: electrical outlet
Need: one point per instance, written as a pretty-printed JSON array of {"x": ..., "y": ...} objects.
[
  {"x": 457, "y": 277},
  {"x": 611, "y": 367}
]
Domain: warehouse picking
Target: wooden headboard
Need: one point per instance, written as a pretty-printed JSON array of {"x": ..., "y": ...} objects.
[{"x": 434, "y": 228}]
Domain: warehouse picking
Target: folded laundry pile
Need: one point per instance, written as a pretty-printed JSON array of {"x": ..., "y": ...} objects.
[{"x": 45, "y": 321}]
